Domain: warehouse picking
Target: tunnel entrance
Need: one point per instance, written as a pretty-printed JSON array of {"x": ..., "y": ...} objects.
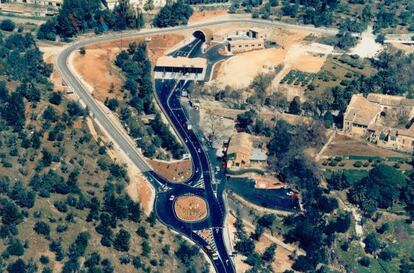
[{"x": 199, "y": 35}]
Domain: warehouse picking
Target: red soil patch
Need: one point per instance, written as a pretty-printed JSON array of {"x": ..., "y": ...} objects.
[
  {"x": 98, "y": 69},
  {"x": 343, "y": 145},
  {"x": 177, "y": 171},
  {"x": 206, "y": 15}
]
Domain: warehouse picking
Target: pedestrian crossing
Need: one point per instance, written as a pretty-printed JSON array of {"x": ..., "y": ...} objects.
[{"x": 199, "y": 184}]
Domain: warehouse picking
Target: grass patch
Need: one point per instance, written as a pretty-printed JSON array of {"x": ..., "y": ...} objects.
[{"x": 352, "y": 175}]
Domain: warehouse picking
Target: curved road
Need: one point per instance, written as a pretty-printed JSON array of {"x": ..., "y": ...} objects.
[{"x": 168, "y": 94}]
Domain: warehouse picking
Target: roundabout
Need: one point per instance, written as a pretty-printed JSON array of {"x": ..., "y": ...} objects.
[{"x": 191, "y": 208}]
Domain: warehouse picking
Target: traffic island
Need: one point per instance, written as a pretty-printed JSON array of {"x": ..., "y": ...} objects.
[{"x": 191, "y": 208}]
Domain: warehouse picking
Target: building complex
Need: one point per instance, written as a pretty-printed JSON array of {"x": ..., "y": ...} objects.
[{"x": 381, "y": 119}]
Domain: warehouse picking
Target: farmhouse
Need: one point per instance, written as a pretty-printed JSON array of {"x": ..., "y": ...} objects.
[
  {"x": 241, "y": 40},
  {"x": 237, "y": 46},
  {"x": 169, "y": 67},
  {"x": 381, "y": 119},
  {"x": 234, "y": 34},
  {"x": 242, "y": 153}
]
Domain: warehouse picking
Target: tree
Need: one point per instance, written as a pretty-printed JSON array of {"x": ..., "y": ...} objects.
[
  {"x": 328, "y": 119},
  {"x": 266, "y": 220},
  {"x": 246, "y": 119},
  {"x": 387, "y": 255},
  {"x": 281, "y": 139},
  {"x": 14, "y": 111},
  {"x": 42, "y": 228},
  {"x": 55, "y": 98},
  {"x": 185, "y": 253},
  {"x": 7, "y": 25},
  {"x": 364, "y": 261},
  {"x": 345, "y": 40},
  {"x": 245, "y": 246},
  {"x": 302, "y": 263},
  {"x": 122, "y": 240},
  {"x": 269, "y": 253},
  {"x": 380, "y": 38},
  {"x": 338, "y": 181},
  {"x": 50, "y": 114},
  {"x": 381, "y": 187},
  {"x": 19, "y": 266},
  {"x": 15, "y": 248},
  {"x": 78, "y": 247},
  {"x": 112, "y": 104},
  {"x": 290, "y": 10},
  {"x": 174, "y": 14},
  {"x": 372, "y": 244},
  {"x": 75, "y": 109},
  {"x": 295, "y": 106},
  {"x": 47, "y": 31}
]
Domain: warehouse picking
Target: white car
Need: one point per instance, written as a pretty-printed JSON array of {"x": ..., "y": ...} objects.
[{"x": 172, "y": 197}]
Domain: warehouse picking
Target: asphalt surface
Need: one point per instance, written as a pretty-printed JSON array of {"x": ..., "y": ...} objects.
[{"x": 168, "y": 95}]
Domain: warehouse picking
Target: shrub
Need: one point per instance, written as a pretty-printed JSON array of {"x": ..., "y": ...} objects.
[
  {"x": 364, "y": 261},
  {"x": 42, "y": 228},
  {"x": 333, "y": 163},
  {"x": 357, "y": 164},
  {"x": 7, "y": 25}
]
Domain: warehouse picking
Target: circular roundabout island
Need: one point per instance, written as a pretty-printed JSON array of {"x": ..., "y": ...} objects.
[{"x": 191, "y": 208}]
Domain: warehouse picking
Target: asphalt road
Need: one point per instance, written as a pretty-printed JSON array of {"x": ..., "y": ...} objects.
[{"x": 168, "y": 92}]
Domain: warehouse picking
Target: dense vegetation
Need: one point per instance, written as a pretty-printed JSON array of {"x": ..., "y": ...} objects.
[
  {"x": 79, "y": 16},
  {"x": 350, "y": 15},
  {"x": 381, "y": 189},
  {"x": 173, "y": 14},
  {"x": 314, "y": 234},
  {"x": 62, "y": 199},
  {"x": 138, "y": 89}
]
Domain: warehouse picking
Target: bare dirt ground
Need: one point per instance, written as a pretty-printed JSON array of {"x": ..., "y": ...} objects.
[
  {"x": 191, "y": 208},
  {"x": 343, "y": 145},
  {"x": 219, "y": 109},
  {"x": 239, "y": 70},
  {"x": 206, "y": 15},
  {"x": 140, "y": 190},
  {"x": 271, "y": 116},
  {"x": 176, "y": 171},
  {"x": 307, "y": 57},
  {"x": 366, "y": 46},
  {"x": 408, "y": 49},
  {"x": 101, "y": 57},
  {"x": 49, "y": 56}
]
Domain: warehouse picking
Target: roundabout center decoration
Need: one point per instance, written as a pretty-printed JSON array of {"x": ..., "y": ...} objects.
[{"x": 191, "y": 208}]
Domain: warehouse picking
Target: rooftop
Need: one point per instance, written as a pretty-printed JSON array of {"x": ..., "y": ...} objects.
[
  {"x": 361, "y": 111},
  {"x": 246, "y": 41},
  {"x": 169, "y": 61},
  {"x": 240, "y": 143},
  {"x": 387, "y": 100},
  {"x": 258, "y": 155}
]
